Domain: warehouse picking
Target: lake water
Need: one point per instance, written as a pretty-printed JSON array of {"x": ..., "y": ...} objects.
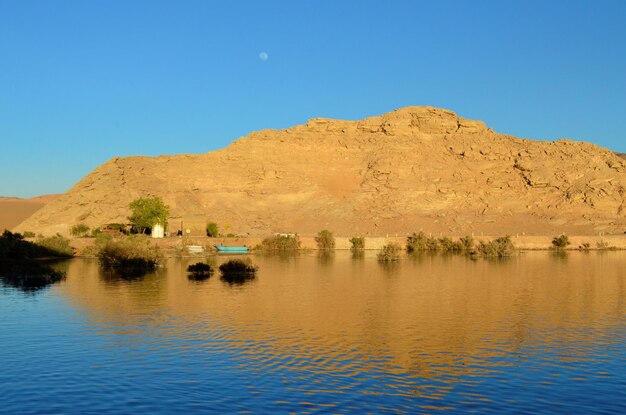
[{"x": 538, "y": 333}]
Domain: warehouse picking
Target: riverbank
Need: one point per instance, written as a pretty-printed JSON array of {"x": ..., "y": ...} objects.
[{"x": 174, "y": 245}]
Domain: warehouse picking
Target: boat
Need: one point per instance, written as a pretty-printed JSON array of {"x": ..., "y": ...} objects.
[{"x": 232, "y": 249}]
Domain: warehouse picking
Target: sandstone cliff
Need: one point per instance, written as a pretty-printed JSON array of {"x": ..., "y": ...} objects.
[{"x": 410, "y": 169}]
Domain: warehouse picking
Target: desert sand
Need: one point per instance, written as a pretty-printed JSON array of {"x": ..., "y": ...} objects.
[
  {"x": 416, "y": 168},
  {"x": 14, "y": 210}
]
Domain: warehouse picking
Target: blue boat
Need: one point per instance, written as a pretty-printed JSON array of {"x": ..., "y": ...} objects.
[{"x": 232, "y": 249}]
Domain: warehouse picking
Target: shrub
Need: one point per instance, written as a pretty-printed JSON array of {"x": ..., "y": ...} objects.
[
  {"x": 560, "y": 242},
  {"x": 57, "y": 244},
  {"x": 95, "y": 232},
  {"x": 448, "y": 245},
  {"x": 148, "y": 211},
  {"x": 212, "y": 229},
  {"x": 585, "y": 246},
  {"x": 238, "y": 266},
  {"x": 389, "y": 252},
  {"x": 132, "y": 255},
  {"x": 28, "y": 234},
  {"x": 14, "y": 248},
  {"x": 325, "y": 240},
  {"x": 79, "y": 230},
  {"x": 417, "y": 242},
  {"x": 467, "y": 243},
  {"x": 602, "y": 245},
  {"x": 420, "y": 242},
  {"x": 28, "y": 275},
  {"x": 358, "y": 243},
  {"x": 500, "y": 247},
  {"x": 281, "y": 243},
  {"x": 199, "y": 271},
  {"x": 237, "y": 271},
  {"x": 119, "y": 227}
]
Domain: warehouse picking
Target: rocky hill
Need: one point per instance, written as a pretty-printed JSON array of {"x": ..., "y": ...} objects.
[{"x": 416, "y": 168}]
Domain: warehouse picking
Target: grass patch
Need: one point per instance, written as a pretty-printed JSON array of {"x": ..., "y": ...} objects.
[
  {"x": 389, "y": 252},
  {"x": 57, "y": 245},
  {"x": 79, "y": 230},
  {"x": 129, "y": 256}
]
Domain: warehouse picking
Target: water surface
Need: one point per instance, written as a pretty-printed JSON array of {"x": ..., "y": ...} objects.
[{"x": 539, "y": 333}]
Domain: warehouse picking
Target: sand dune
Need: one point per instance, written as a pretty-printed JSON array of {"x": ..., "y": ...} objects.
[{"x": 14, "y": 210}]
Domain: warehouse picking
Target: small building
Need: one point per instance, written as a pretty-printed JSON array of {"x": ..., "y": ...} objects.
[{"x": 158, "y": 231}]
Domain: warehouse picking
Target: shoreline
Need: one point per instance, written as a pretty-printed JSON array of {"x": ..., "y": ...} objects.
[{"x": 521, "y": 242}]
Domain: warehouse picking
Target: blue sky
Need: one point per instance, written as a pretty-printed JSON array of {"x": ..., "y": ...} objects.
[{"x": 84, "y": 81}]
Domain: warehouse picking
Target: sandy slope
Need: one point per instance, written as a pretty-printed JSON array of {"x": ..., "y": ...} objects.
[{"x": 416, "y": 168}]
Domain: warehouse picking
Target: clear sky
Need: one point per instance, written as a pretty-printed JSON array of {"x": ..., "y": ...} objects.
[{"x": 84, "y": 81}]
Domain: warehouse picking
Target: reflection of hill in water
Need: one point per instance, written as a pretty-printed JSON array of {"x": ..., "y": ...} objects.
[{"x": 426, "y": 314}]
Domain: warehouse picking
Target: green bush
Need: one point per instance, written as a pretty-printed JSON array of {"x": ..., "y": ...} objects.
[
  {"x": 79, "y": 230},
  {"x": 467, "y": 243},
  {"x": 358, "y": 243},
  {"x": 325, "y": 240},
  {"x": 57, "y": 244},
  {"x": 212, "y": 230},
  {"x": 389, "y": 252},
  {"x": 500, "y": 247},
  {"x": 13, "y": 247},
  {"x": 281, "y": 243},
  {"x": 95, "y": 232},
  {"x": 133, "y": 255},
  {"x": 448, "y": 245},
  {"x": 560, "y": 242},
  {"x": 417, "y": 242},
  {"x": 421, "y": 242}
]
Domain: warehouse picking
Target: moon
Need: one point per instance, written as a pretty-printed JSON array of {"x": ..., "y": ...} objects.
[{"x": 263, "y": 56}]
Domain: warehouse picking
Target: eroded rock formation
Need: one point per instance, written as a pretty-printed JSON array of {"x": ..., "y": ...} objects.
[{"x": 416, "y": 168}]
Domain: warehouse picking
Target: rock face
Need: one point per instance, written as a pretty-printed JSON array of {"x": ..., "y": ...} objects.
[{"x": 416, "y": 168}]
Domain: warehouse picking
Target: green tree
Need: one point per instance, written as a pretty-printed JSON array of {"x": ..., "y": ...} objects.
[{"x": 148, "y": 211}]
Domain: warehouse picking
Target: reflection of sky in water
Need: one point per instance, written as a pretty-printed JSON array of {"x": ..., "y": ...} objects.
[{"x": 534, "y": 333}]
